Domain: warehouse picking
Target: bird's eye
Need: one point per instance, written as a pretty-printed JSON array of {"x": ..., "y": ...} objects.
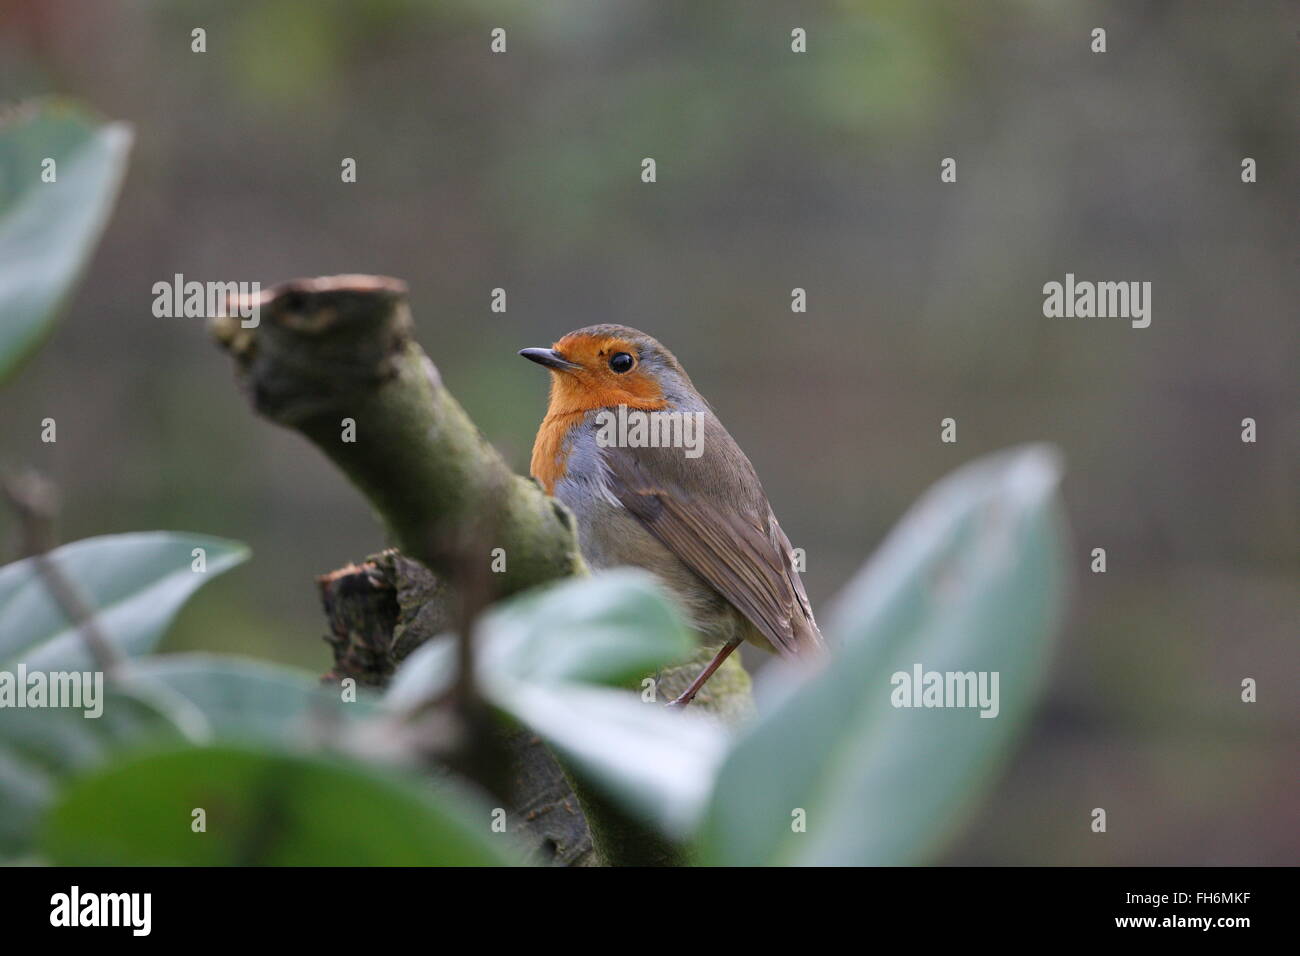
[{"x": 621, "y": 362}]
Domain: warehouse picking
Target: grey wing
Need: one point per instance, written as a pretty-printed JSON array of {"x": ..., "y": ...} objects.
[{"x": 739, "y": 549}]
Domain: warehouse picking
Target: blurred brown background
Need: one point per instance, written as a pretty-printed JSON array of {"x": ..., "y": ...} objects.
[{"x": 775, "y": 170}]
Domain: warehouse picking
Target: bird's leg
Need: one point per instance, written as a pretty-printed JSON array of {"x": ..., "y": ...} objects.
[{"x": 705, "y": 674}]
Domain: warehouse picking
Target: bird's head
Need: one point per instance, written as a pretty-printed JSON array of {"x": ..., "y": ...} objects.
[{"x": 603, "y": 366}]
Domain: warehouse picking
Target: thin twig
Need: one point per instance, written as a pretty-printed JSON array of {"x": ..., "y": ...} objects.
[
  {"x": 34, "y": 501},
  {"x": 473, "y": 585}
]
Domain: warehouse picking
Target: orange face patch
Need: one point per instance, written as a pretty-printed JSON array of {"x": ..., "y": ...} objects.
[
  {"x": 574, "y": 392},
  {"x": 596, "y": 384}
]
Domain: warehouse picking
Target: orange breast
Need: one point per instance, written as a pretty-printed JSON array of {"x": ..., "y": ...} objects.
[
  {"x": 571, "y": 399},
  {"x": 549, "y": 456}
]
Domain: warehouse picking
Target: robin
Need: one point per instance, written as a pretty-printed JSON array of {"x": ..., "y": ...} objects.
[{"x": 655, "y": 481}]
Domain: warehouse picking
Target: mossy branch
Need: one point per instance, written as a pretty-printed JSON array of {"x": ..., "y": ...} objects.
[{"x": 335, "y": 359}]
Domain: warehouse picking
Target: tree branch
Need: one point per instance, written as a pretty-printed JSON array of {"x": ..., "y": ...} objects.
[{"x": 336, "y": 353}]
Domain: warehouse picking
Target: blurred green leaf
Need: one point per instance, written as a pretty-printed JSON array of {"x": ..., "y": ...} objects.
[
  {"x": 134, "y": 583},
  {"x": 265, "y": 807},
  {"x": 614, "y": 627},
  {"x": 184, "y": 696},
  {"x": 611, "y": 628},
  {"x": 970, "y": 580},
  {"x": 49, "y": 229},
  {"x": 427, "y": 673},
  {"x": 658, "y": 764},
  {"x": 537, "y": 656},
  {"x": 40, "y": 747},
  {"x": 240, "y": 697}
]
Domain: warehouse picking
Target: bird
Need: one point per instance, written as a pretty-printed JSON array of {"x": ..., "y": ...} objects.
[{"x": 690, "y": 510}]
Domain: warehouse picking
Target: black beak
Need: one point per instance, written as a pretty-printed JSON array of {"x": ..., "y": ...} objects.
[{"x": 548, "y": 357}]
